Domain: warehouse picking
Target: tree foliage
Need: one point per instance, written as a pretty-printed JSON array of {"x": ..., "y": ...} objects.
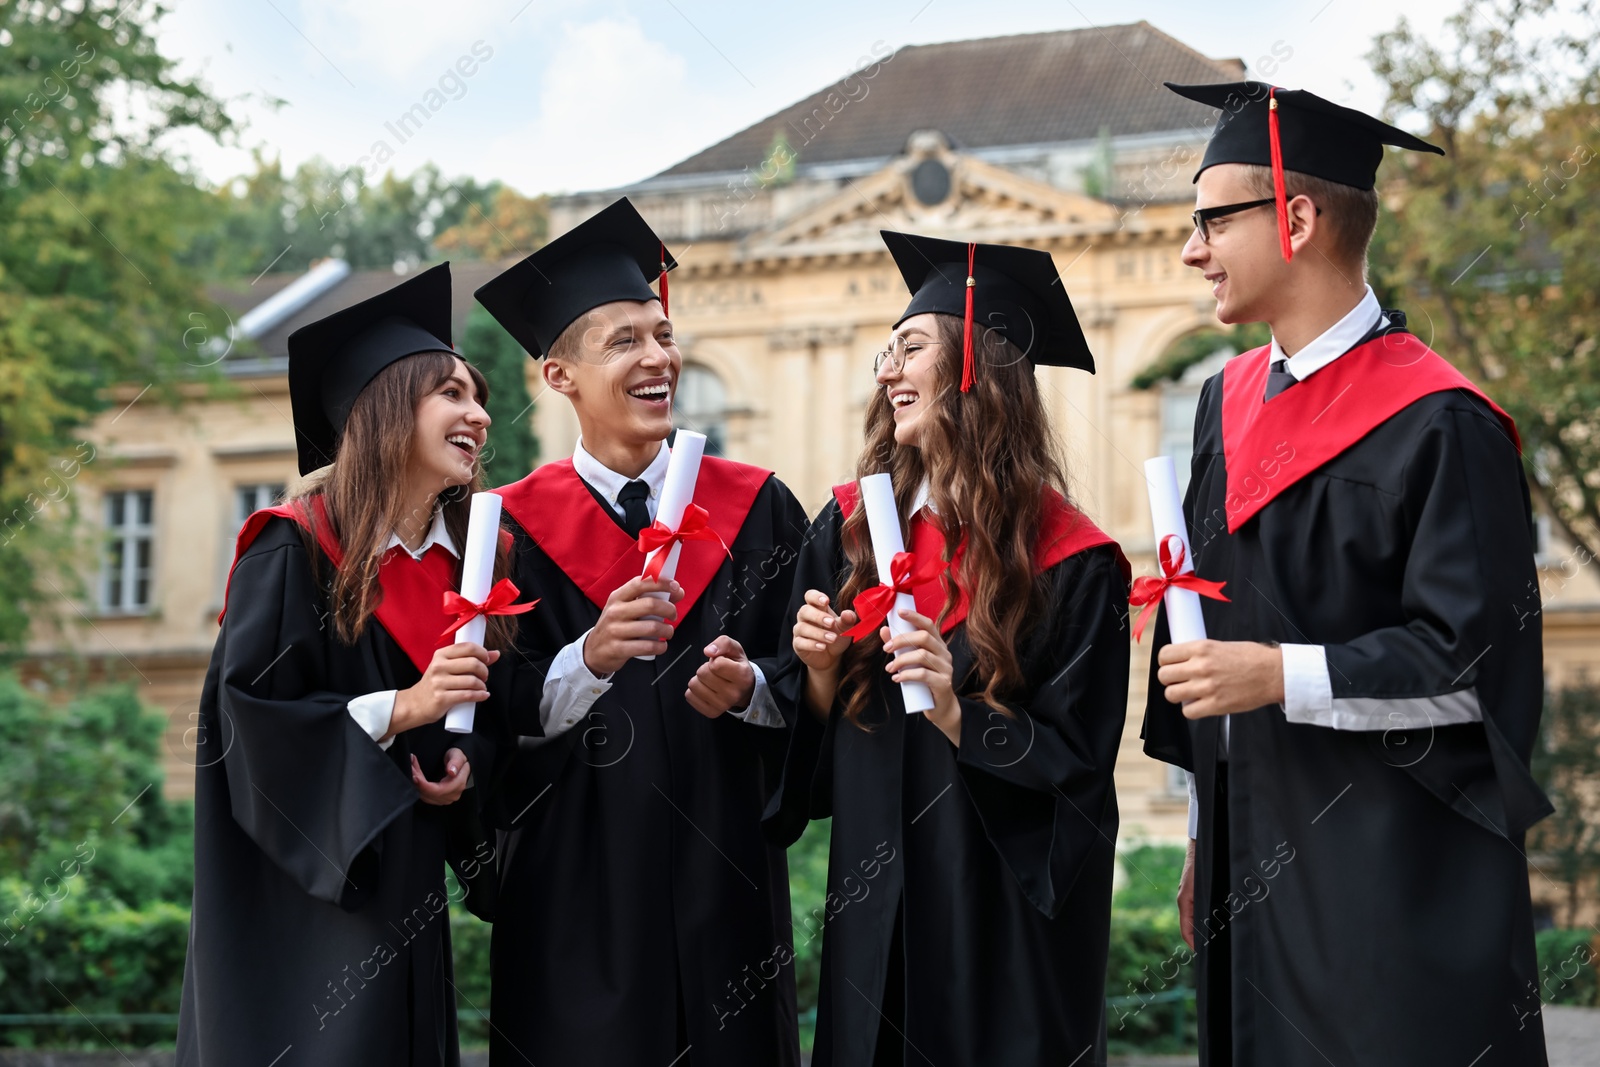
[
  {"x": 513, "y": 451},
  {"x": 288, "y": 221},
  {"x": 94, "y": 221},
  {"x": 1492, "y": 247}
]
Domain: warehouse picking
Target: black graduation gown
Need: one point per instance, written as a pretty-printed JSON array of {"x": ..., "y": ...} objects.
[
  {"x": 1377, "y": 909},
  {"x": 994, "y": 860},
  {"x": 637, "y": 887},
  {"x": 320, "y": 931}
]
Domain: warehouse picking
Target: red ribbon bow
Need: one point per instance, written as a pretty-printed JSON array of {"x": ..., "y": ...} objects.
[
  {"x": 657, "y": 535},
  {"x": 498, "y": 602},
  {"x": 872, "y": 605},
  {"x": 1147, "y": 592}
]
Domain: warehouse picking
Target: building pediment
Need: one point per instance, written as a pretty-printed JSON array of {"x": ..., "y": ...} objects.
[{"x": 934, "y": 189}]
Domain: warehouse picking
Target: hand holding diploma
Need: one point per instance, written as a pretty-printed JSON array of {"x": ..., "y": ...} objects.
[
  {"x": 477, "y": 600},
  {"x": 1206, "y": 677},
  {"x": 678, "y": 519}
]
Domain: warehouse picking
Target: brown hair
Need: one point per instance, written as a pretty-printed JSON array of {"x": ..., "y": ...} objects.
[
  {"x": 1350, "y": 214},
  {"x": 987, "y": 455},
  {"x": 363, "y": 489}
]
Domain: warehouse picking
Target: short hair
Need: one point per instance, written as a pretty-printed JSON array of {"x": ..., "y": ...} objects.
[
  {"x": 568, "y": 345},
  {"x": 1350, "y": 214}
]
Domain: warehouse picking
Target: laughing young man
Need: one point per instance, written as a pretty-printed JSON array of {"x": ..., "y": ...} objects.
[
  {"x": 642, "y": 916},
  {"x": 1360, "y": 722}
]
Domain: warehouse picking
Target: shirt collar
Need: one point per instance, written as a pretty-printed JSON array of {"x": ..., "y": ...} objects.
[
  {"x": 923, "y": 499},
  {"x": 1338, "y": 339},
  {"x": 608, "y": 483},
  {"x": 437, "y": 535}
]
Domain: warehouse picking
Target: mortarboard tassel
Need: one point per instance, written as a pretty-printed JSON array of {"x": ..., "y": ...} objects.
[
  {"x": 968, "y": 369},
  {"x": 1279, "y": 192},
  {"x": 664, "y": 310}
]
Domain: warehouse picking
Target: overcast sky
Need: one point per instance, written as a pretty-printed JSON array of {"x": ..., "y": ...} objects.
[{"x": 566, "y": 95}]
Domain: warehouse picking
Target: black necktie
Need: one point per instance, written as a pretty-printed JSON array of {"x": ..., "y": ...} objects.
[
  {"x": 635, "y": 514},
  {"x": 1279, "y": 378}
]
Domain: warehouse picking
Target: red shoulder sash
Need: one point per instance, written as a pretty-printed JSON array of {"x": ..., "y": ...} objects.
[
  {"x": 557, "y": 510},
  {"x": 411, "y": 609},
  {"x": 1064, "y": 531},
  {"x": 1270, "y": 446}
]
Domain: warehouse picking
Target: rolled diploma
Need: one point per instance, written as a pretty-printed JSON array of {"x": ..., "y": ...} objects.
[
  {"x": 883, "y": 523},
  {"x": 1184, "y": 619},
  {"x": 477, "y": 575},
  {"x": 677, "y": 493}
]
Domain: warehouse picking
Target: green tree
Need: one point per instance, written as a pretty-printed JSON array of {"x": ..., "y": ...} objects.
[
  {"x": 1564, "y": 762},
  {"x": 289, "y": 221},
  {"x": 1491, "y": 247},
  {"x": 513, "y": 450},
  {"x": 93, "y": 224}
]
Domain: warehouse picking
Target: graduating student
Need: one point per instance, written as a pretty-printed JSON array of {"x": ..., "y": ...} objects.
[
  {"x": 969, "y": 876},
  {"x": 1359, "y": 723},
  {"x": 638, "y": 893},
  {"x": 327, "y": 792}
]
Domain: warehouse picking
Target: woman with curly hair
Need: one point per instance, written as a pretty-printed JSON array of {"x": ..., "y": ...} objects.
[{"x": 969, "y": 882}]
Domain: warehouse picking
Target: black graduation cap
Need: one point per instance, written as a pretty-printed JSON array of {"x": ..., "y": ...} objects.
[
  {"x": 1291, "y": 129},
  {"x": 1014, "y": 290},
  {"x": 609, "y": 256},
  {"x": 332, "y": 360}
]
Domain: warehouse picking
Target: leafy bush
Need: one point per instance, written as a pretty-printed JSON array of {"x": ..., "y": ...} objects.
[{"x": 1567, "y": 962}]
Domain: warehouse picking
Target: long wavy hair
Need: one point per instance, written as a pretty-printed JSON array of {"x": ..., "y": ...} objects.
[
  {"x": 363, "y": 490},
  {"x": 987, "y": 455}
]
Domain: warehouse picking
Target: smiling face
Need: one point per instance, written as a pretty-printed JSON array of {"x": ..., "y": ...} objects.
[
  {"x": 620, "y": 370},
  {"x": 1242, "y": 260},
  {"x": 451, "y": 428},
  {"x": 914, "y": 387}
]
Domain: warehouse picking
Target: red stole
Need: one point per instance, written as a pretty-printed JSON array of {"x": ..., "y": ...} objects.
[
  {"x": 1270, "y": 445},
  {"x": 565, "y": 520},
  {"x": 1063, "y": 531},
  {"x": 411, "y": 609}
]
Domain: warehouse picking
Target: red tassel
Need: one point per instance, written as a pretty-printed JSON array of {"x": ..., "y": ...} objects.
[
  {"x": 969, "y": 375},
  {"x": 664, "y": 310},
  {"x": 1278, "y": 190}
]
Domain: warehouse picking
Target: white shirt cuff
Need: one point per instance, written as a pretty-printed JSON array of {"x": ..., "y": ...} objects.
[
  {"x": 1194, "y": 807},
  {"x": 1307, "y": 690},
  {"x": 570, "y": 690},
  {"x": 763, "y": 707},
  {"x": 373, "y": 713}
]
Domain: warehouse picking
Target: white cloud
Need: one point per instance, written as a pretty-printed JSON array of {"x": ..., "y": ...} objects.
[
  {"x": 400, "y": 39},
  {"x": 613, "y": 107}
]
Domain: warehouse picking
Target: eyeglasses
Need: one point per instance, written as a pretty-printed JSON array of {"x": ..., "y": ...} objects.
[
  {"x": 1204, "y": 217},
  {"x": 895, "y": 355}
]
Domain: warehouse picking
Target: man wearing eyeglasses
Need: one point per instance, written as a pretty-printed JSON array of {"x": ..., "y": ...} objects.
[{"x": 1359, "y": 724}]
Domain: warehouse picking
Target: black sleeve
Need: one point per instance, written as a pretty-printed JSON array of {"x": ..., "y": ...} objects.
[
  {"x": 1464, "y": 648},
  {"x": 305, "y": 782},
  {"x": 1039, "y": 772},
  {"x": 805, "y": 785}
]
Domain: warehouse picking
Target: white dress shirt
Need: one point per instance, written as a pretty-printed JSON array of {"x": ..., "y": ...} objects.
[
  {"x": 373, "y": 711},
  {"x": 571, "y": 688}
]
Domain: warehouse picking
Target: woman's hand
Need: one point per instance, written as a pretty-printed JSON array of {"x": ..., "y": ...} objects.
[
  {"x": 819, "y": 638},
  {"x": 921, "y": 655},
  {"x": 448, "y": 789},
  {"x": 459, "y": 673},
  {"x": 819, "y": 641}
]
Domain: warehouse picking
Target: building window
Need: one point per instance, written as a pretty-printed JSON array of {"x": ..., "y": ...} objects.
[
  {"x": 1180, "y": 400},
  {"x": 248, "y": 499},
  {"x": 701, "y": 404},
  {"x": 130, "y": 529}
]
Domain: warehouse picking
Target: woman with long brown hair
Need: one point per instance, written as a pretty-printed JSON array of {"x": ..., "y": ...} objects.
[
  {"x": 970, "y": 868},
  {"x": 328, "y": 795}
]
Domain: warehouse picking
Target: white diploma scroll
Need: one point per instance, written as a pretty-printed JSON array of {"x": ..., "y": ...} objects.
[
  {"x": 883, "y": 523},
  {"x": 1184, "y": 620},
  {"x": 477, "y": 576},
  {"x": 677, "y": 493}
]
